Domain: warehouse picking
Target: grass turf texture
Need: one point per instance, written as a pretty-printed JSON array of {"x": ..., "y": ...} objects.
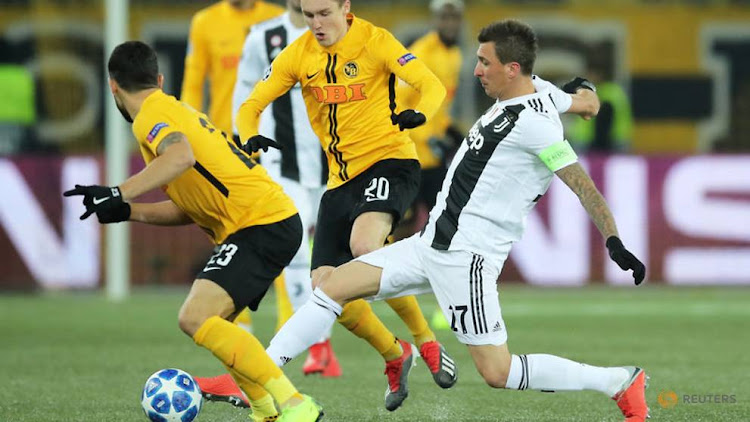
[{"x": 77, "y": 357}]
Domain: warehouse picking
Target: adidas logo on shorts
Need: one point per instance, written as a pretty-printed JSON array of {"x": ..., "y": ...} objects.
[{"x": 497, "y": 327}]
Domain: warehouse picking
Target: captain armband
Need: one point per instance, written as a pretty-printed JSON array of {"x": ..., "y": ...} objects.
[{"x": 558, "y": 155}]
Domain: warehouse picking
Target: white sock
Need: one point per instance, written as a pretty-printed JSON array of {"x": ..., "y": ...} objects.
[
  {"x": 299, "y": 287},
  {"x": 553, "y": 373},
  {"x": 298, "y": 283},
  {"x": 304, "y": 328}
]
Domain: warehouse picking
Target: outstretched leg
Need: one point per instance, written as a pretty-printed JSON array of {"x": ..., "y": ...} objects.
[
  {"x": 339, "y": 290},
  {"x": 551, "y": 373}
]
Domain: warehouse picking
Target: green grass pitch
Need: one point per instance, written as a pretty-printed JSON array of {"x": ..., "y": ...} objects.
[{"x": 77, "y": 357}]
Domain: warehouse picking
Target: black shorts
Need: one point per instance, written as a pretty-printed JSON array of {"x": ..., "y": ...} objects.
[
  {"x": 388, "y": 186},
  {"x": 429, "y": 186},
  {"x": 432, "y": 181},
  {"x": 248, "y": 261}
]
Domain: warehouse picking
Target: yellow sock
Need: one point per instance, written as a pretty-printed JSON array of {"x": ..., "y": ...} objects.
[
  {"x": 284, "y": 309},
  {"x": 245, "y": 320},
  {"x": 244, "y": 355},
  {"x": 263, "y": 409},
  {"x": 408, "y": 309},
  {"x": 358, "y": 318},
  {"x": 260, "y": 401}
]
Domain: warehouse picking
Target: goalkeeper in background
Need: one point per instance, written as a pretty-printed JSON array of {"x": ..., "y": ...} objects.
[{"x": 212, "y": 183}]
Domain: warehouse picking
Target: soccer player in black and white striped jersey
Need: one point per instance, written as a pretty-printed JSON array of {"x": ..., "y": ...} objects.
[{"x": 502, "y": 168}]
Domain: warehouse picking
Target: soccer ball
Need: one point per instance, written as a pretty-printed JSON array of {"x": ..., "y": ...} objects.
[{"x": 171, "y": 395}]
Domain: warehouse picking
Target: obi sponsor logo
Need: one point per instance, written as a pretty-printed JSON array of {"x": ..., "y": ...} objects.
[
  {"x": 155, "y": 131},
  {"x": 337, "y": 94}
]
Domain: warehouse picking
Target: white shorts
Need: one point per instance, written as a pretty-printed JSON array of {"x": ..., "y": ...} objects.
[{"x": 464, "y": 284}]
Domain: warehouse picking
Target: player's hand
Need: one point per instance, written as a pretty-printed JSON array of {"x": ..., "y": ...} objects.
[
  {"x": 105, "y": 201},
  {"x": 408, "y": 119},
  {"x": 577, "y": 83},
  {"x": 259, "y": 142},
  {"x": 114, "y": 213},
  {"x": 625, "y": 259},
  {"x": 237, "y": 141}
]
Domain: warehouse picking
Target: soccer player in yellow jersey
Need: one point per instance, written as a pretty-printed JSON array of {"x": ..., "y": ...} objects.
[
  {"x": 217, "y": 34},
  {"x": 347, "y": 69},
  {"x": 212, "y": 183}
]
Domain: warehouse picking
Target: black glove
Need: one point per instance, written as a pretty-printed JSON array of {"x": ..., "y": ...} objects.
[
  {"x": 237, "y": 141},
  {"x": 115, "y": 214},
  {"x": 408, "y": 119},
  {"x": 259, "y": 142},
  {"x": 105, "y": 201},
  {"x": 625, "y": 259},
  {"x": 578, "y": 83}
]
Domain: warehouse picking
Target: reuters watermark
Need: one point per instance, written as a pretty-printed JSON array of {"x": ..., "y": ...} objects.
[{"x": 668, "y": 399}]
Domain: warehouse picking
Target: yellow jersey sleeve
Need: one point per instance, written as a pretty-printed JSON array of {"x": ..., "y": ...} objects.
[
  {"x": 152, "y": 129},
  {"x": 407, "y": 67},
  {"x": 407, "y": 96},
  {"x": 196, "y": 64},
  {"x": 445, "y": 62},
  {"x": 280, "y": 77}
]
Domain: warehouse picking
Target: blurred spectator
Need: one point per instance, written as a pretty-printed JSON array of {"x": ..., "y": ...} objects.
[
  {"x": 612, "y": 129},
  {"x": 217, "y": 34},
  {"x": 17, "y": 110},
  {"x": 439, "y": 50}
]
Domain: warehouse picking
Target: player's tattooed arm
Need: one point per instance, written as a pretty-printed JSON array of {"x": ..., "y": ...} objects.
[
  {"x": 592, "y": 200},
  {"x": 170, "y": 140},
  {"x": 174, "y": 156}
]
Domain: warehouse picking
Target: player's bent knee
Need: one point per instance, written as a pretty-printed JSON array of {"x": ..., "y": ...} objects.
[
  {"x": 317, "y": 275},
  {"x": 190, "y": 319},
  {"x": 494, "y": 376}
]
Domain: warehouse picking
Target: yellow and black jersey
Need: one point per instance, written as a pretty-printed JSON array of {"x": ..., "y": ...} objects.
[
  {"x": 349, "y": 90},
  {"x": 217, "y": 34},
  {"x": 226, "y": 190},
  {"x": 445, "y": 62}
]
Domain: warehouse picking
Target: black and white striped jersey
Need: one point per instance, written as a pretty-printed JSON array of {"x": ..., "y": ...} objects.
[
  {"x": 285, "y": 120},
  {"x": 560, "y": 99},
  {"x": 497, "y": 176}
]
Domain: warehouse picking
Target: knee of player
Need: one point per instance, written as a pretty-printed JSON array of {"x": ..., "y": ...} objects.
[
  {"x": 329, "y": 287},
  {"x": 493, "y": 375},
  {"x": 319, "y": 274},
  {"x": 190, "y": 320}
]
